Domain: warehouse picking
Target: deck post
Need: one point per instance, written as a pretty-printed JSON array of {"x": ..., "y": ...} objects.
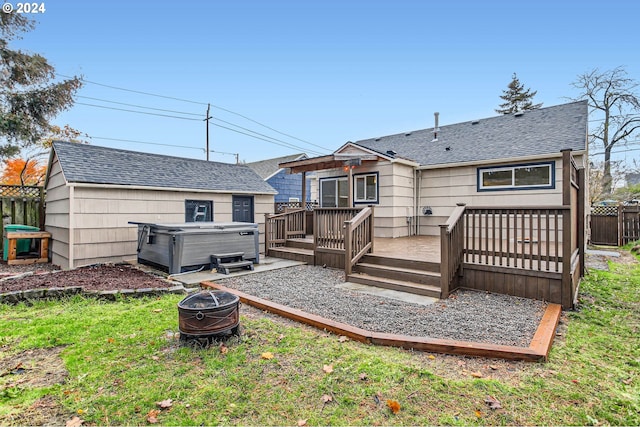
[
  {"x": 303, "y": 200},
  {"x": 267, "y": 232},
  {"x": 567, "y": 241},
  {"x": 371, "y": 229},
  {"x": 348, "y": 244},
  {"x": 444, "y": 262}
]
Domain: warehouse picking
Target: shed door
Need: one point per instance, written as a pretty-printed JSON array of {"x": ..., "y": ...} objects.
[{"x": 243, "y": 208}]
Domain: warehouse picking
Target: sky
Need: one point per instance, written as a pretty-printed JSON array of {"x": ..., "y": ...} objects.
[{"x": 285, "y": 77}]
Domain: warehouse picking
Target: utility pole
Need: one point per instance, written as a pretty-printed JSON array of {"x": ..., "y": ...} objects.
[
  {"x": 207, "y": 122},
  {"x": 237, "y": 158}
]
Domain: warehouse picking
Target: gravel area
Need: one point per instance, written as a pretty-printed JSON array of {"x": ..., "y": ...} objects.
[{"x": 466, "y": 315}]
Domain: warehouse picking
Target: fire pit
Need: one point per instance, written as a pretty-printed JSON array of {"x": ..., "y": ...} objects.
[{"x": 208, "y": 315}]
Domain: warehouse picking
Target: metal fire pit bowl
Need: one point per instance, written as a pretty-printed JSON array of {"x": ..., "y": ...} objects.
[{"x": 208, "y": 314}]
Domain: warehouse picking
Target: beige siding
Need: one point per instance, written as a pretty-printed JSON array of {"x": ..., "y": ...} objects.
[
  {"x": 395, "y": 195},
  {"x": 101, "y": 218},
  {"x": 57, "y": 215},
  {"x": 441, "y": 189}
]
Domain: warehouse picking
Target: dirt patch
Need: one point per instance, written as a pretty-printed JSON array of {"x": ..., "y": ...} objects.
[
  {"x": 41, "y": 367},
  {"x": 36, "y": 368},
  {"x": 45, "y": 411},
  {"x": 103, "y": 277}
]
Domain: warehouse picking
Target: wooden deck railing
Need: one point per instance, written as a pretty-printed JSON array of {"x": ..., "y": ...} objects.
[
  {"x": 528, "y": 238},
  {"x": 280, "y": 227},
  {"x": 358, "y": 238},
  {"x": 451, "y": 249},
  {"x": 329, "y": 226}
]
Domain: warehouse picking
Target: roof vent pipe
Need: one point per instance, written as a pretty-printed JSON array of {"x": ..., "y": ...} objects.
[{"x": 436, "y": 129}]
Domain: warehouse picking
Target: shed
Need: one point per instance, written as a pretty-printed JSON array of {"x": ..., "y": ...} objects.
[{"x": 92, "y": 193}]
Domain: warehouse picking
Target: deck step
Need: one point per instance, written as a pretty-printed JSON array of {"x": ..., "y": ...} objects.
[
  {"x": 295, "y": 254},
  {"x": 396, "y": 285},
  {"x": 392, "y": 271},
  {"x": 302, "y": 243},
  {"x": 401, "y": 263}
]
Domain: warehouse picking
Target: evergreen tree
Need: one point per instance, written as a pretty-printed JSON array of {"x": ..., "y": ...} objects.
[
  {"x": 29, "y": 98},
  {"x": 517, "y": 98}
]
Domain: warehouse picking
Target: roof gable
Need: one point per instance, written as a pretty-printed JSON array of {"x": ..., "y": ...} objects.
[
  {"x": 82, "y": 163},
  {"x": 269, "y": 167},
  {"x": 535, "y": 132}
]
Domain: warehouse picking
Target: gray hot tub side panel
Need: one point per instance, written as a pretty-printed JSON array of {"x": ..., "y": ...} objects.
[{"x": 175, "y": 248}]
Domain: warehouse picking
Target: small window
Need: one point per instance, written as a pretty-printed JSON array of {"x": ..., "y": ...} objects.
[
  {"x": 198, "y": 210},
  {"x": 366, "y": 188},
  {"x": 517, "y": 177}
]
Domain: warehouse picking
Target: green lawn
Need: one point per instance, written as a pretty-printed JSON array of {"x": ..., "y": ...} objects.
[{"x": 122, "y": 358}]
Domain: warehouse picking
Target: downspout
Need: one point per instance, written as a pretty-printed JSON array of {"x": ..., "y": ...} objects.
[{"x": 417, "y": 196}]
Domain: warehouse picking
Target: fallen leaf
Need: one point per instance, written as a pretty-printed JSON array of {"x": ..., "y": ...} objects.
[
  {"x": 343, "y": 338},
  {"x": 477, "y": 374},
  {"x": 363, "y": 376},
  {"x": 164, "y": 404},
  {"x": 494, "y": 367},
  {"x": 627, "y": 381},
  {"x": 394, "y": 406},
  {"x": 110, "y": 340},
  {"x": 478, "y": 414},
  {"x": 432, "y": 357},
  {"x": 75, "y": 422},
  {"x": 157, "y": 310},
  {"x": 493, "y": 403},
  {"x": 224, "y": 349},
  {"x": 281, "y": 337},
  {"x": 152, "y": 416},
  {"x": 267, "y": 355},
  {"x": 575, "y": 381},
  {"x": 326, "y": 398},
  {"x": 302, "y": 423},
  {"x": 328, "y": 369},
  {"x": 155, "y": 358}
]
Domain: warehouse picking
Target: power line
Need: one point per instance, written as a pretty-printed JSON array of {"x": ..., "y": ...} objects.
[
  {"x": 263, "y": 139},
  {"x": 135, "y": 91},
  {"x": 139, "y": 106},
  {"x": 199, "y": 103},
  {"x": 263, "y": 135},
  {"x": 134, "y": 111}
]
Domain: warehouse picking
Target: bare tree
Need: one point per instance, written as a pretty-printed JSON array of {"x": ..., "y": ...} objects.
[{"x": 612, "y": 97}]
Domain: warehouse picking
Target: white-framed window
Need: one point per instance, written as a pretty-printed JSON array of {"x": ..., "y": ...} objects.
[
  {"x": 530, "y": 176},
  {"x": 366, "y": 188},
  {"x": 334, "y": 192}
]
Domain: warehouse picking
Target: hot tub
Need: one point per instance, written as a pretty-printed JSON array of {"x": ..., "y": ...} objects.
[{"x": 177, "y": 248}]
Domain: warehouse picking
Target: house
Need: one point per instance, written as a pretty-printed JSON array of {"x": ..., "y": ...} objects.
[
  {"x": 92, "y": 193},
  {"x": 503, "y": 198},
  {"x": 288, "y": 186},
  {"x": 415, "y": 179}
]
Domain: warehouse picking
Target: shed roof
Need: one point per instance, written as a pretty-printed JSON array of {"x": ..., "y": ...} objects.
[
  {"x": 83, "y": 163},
  {"x": 267, "y": 168},
  {"x": 535, "y": 132}
]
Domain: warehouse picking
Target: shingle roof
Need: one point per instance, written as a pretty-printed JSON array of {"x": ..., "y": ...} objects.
[
  {"x": 535, "y": 132},
  {"x": 84, "y": 163},
  {"x": 266, "y": 168}
]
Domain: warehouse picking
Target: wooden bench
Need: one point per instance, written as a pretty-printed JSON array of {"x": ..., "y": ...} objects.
[
  {"x": 225, "y": 262},
  {"x": 43, "y": 253}
]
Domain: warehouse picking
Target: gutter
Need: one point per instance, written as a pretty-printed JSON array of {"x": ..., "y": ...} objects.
[{"x": 142, "y": 187}]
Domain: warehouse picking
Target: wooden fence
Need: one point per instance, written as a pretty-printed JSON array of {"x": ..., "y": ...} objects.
[
  {"x": 615, "y": 225},
  {"x": 21, "y": 205}
]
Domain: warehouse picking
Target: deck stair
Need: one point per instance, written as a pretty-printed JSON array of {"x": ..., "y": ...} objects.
[
  {"x": 412, "y": 276},
  {"x": 299, "y": 249}
]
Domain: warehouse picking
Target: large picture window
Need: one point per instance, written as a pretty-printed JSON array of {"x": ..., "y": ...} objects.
[
  {"x": 517, "y": 177},
  {"x": 366, "y": 188}
]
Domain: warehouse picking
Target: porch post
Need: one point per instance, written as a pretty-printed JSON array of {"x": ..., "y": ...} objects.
[
  {"x": 350, "y": 184},
  {"x": 303, "y": 201}
]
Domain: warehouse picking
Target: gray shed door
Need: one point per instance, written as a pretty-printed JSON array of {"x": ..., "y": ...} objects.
[{"x": 243, "y": 208}]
